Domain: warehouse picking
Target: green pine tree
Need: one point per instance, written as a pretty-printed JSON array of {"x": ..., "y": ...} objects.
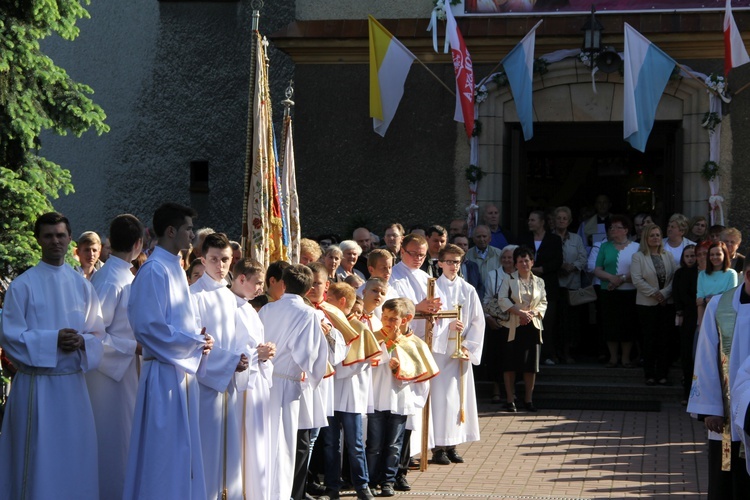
[{"x": 35, "y": 95}]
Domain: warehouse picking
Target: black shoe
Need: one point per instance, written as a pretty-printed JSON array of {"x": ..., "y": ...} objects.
[
  {"x": 315, "y": 489},
  {"x": 365, "y": 494},
  {"x": 386, "y": 490},
  {"x": 650, "y": 381},
  {"x": 440, "y": 457},
  {"x": 332, "y": 495},
  {"x": 402, "y": 484},
  {"x": 530, "y": 406},
  {"x": 663, "y": 381},
  {"x": 510, "y": 407},
  {"x": 453, "y": 456}
]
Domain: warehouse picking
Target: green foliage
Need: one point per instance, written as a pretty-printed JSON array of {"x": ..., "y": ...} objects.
[{"x": 35, "y": 95}]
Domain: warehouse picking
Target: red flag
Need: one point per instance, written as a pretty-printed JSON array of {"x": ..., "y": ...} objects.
[
  {"x": 734, "y": 50},
  {"x": 464, "y": 74}
]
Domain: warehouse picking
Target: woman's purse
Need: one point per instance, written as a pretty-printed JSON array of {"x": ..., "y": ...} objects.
[
  {"x": 582, "y": 296},
  {"x": 493, "y": 307}
]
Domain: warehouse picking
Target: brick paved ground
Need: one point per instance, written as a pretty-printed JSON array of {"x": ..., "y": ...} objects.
[{"x": 569, "y": 454}]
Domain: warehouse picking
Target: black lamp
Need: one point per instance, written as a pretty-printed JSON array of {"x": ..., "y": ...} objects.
[{"x": 592, "y": 35}]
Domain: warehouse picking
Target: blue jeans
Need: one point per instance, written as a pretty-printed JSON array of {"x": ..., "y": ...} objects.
[
  {"x": 385, "y": 433},
  {"x": 331, "y": 435}
]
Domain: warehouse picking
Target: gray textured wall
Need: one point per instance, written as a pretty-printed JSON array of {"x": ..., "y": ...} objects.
[
  {"x": 173, "y": 80},
  {"x": 740, "y": 184},
  {"x": 347, "y": 173}
]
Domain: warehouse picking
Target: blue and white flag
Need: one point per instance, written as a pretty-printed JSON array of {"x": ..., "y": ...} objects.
[
  {"x": 519, "y": 68},
  {"x": 647, "y": 71}
]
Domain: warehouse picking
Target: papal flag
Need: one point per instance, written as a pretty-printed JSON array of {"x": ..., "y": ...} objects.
[
  {"x": 647, "y": 71},
  {"x": 265, "y": 227},
  {"x": 390, "y": 63}
]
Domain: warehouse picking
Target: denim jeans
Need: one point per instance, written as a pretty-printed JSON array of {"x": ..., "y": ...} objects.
[
  {"x": 351, "y": 423},
  {"x": 385, "y": 433}
]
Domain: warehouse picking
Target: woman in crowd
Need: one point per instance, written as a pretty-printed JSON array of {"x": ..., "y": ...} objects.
[
  {"x": 675, "y": 241},
  {"x": 684, "y": 289},
  {"x": 717, "y": 278},
  {"x": 523, "y": 295},
  {"x": 494, "y": 343},
  {"x": 332, "y": 261},
  {"x": 639, "y": 221},
  {"x": 548, "y": 260},
  {"x": 652, "y": 271},
  {"x": 698, "y": 229},
  {"x": 732, "y": 237},
  {"x": 350, "y": 251},
  {"x": 569, "y": 278},
  {"x": 617, "y": 293}
]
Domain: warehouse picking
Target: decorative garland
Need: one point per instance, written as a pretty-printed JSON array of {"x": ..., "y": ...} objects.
[
  {"x": 474, "y": 173},
  {"x": 718, "y": 85},
  {"x": 710, "y": 121},
  {"x": 710, "y": 170}
]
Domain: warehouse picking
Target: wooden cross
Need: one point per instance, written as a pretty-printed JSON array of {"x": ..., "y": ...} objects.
[{"x": 430, "y": 323}]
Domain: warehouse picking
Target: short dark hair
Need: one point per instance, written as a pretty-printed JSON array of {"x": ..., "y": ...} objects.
[
  {"x": 276, "y": 271},
  {"x": 459, "y": 235},
  {"x": 124, "y": 232},
  {"x": 50, "y": 219},
  {"x": 622, "y": 219},
  {"x": 247, "y": 267},
  {"x": 171, "y": 215},
  {"x": 522, "y": 251},
  {"x": 436, "y": 229},
  {"x": 215, "y": 240},
  {"x": 298, "y": 279}
]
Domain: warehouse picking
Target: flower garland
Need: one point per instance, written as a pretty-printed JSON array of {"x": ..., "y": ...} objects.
[
  {"x": 710, "y": 170},
  {"x": 718, "y": 85},
  {"x": 710, "y": 121}
]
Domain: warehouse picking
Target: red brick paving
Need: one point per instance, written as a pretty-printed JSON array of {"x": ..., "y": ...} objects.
[{"x": 570, "y": 454}]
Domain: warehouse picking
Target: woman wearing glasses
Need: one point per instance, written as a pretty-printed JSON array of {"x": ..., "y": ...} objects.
[{"x": 617, "y": 297}]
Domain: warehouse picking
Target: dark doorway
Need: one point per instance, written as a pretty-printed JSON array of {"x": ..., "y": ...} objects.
[{"x": 571, "y": 163}]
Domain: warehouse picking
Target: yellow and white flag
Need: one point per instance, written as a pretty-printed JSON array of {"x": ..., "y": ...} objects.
[{"x": 390, "y": 62}]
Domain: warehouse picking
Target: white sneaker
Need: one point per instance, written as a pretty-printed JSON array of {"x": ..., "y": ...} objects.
[{"x": 549, "y": 362}]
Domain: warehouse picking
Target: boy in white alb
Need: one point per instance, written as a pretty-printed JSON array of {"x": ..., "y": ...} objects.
[
  {"x": 225, "y": 378},
  {"x": 114, "y": 384},
  {"x": 398, "y": 377},
  {"x": 454, "y": 412},
  {"x": 246, "y": 285},
  {"x": 301, "y": 361},
  {"x": 351, "y": 399}
]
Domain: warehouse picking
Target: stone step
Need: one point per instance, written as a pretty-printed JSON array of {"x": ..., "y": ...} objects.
[{"x": 594, "y": 381}]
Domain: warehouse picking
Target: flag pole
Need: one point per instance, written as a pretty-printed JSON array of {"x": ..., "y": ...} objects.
[
  {"x": 436, "y": 77},
  {"x": 741, "y": 88},
  {"x": 257, "y": 5},
  {"x": 692, "y": 75}
]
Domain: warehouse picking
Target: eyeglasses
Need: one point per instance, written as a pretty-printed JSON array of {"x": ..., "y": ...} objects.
[
  {"x": 415, "y": 255},
  {"x": 454, "y": 262},
  {"x": 616, "y": 227}
]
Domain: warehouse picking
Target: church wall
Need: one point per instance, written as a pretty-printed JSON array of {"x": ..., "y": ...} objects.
[
  {"x": 173, "y": 79},
  {"x": 358, "y": 9},
  {"x": 348, "y": 175}
]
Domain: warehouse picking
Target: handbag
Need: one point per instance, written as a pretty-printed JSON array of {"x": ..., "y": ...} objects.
[
  {"x": 493, "y": 308},
  {"x": 582, "y": 295}
]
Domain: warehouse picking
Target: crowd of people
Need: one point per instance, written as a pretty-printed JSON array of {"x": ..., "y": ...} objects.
[{"x": 169, "y": 365}]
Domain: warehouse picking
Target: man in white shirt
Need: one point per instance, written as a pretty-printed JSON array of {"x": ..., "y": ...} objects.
[
  {"x": 114, "y": 384},
  {"x": 52, "y": 332}
]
